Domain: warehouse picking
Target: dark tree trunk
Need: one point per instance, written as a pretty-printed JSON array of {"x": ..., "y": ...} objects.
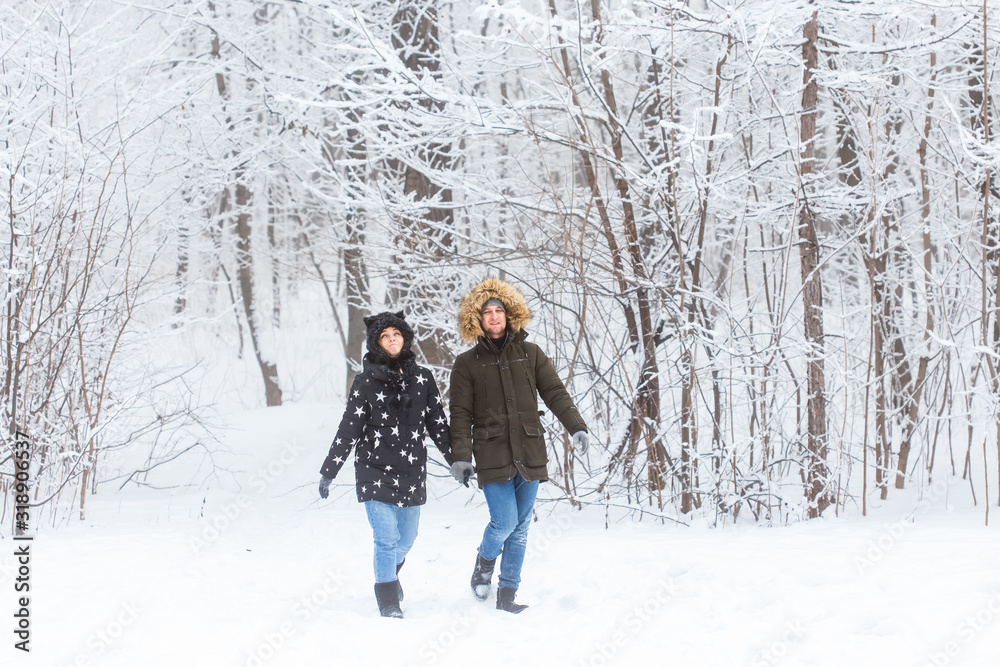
[{"x": 816, "y": 471}]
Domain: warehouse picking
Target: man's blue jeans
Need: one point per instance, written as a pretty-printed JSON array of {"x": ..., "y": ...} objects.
[
  {"x": 510, "y": 505},
  {"x": 394, "y": 529}
]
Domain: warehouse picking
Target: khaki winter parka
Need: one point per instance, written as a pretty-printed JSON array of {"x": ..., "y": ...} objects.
[{"x": 494, "y": 394}]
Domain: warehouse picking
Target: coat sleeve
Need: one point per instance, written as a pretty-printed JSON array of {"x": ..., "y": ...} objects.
[
  {"x": 460, "y": 394},
  {"x": 436, "y": 421},
  {"x": 350, "y": 432},
  {"x": 553, "y": 393}
]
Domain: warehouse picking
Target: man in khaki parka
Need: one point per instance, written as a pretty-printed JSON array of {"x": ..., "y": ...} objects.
[{"x": 495, "y": 420}]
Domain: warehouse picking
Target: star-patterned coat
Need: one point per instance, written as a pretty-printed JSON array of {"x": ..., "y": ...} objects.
[{"x": 387, "y": 417}]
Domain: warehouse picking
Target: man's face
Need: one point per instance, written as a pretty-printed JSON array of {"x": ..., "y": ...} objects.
[
  {"x": 391, "y": 341},
  {"x": 494, "y": 321}
]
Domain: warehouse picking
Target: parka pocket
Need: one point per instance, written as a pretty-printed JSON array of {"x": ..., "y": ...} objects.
[
  {"x": 482, "y": 434},
  {"x": 534, "y": 444},
  {"x": 534, "y": 430},
  {"x": 490, "y": 446}
]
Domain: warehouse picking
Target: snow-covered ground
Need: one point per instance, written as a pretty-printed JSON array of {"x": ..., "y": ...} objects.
[{"x": 255, "y": 570}]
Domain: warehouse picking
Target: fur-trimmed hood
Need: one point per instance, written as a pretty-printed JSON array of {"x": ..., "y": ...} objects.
[
  {"x": 376, "y": 324},
  {"x": 470, "y": 312},
  {"x": 405, "y": 361}
]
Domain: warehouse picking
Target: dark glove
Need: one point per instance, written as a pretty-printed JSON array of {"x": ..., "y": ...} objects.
[
  {"x": 462, "y": 471},
  {"x": 581, "y": 441},
  {"x": 324, "y": 487}
]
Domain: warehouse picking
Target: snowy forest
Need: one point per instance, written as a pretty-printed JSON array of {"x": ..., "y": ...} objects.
[{"x": 760, "y": 239}]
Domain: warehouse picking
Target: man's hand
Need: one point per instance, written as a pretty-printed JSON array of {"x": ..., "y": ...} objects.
[
  {"x": 462, "y": 471},
  {"x": 581, "y": 441},
  {"x": 324, "y": 487}
]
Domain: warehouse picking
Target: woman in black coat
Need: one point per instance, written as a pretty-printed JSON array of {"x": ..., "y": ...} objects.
[{"x": 392, "y": 405}]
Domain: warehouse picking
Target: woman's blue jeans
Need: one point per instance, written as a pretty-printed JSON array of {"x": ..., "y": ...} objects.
[
  {"x": 510, "y": 505},
  {"x": 394, "y": 529}
]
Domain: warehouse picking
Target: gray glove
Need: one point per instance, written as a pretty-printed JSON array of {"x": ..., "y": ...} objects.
[
  {"x": 581, "y": 441},
  {"x": 462, "y": 471},
  {"x": 324, "y": 487}
]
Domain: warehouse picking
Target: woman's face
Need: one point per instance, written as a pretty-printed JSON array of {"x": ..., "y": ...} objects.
[{"x": 391, "y": 340}]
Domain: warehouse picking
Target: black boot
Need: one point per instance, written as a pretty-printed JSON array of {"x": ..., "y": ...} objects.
[
  {"x": 481, "y": 577},
  {"x": 505, "y": 601},
  {"x": 399, "y": 586},
  {"x": 388, "y": 599}
]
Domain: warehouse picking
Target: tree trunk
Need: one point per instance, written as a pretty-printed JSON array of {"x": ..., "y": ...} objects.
[
  {"x": 812, "y": 289},
  {"x": 183, "y": 248},
  {"x": 913, "y": 407},
  {"x": 244, "y": 263},
  {"x": 648, "y": 389},
  {"x": 415, "y": 37},
  {"x": 273, "y": 209},
  {"x": 244, "y": 256},
  {"x": 357, "y": 297},
  {"x": 991, "y": 247}
]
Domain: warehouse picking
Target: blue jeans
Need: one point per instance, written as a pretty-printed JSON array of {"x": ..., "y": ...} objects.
[
  {"x": 394, "y": 529},
  {"x": 510, "y": 505}
]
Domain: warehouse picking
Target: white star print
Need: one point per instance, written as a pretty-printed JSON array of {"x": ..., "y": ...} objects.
[
  {"x": 338, "y": 460},
  {"x": 412, "y": 489},
  {"x": 416, "y": 434},
  {"x": 395, "y": 430},
  {"x": 360, "y": 411},
  {"x": 440, "y": 420},
  {"x": 380, "y": 396},
  {"x": 421, "y": 379},
  {"x": 385, "y": 415},
  {"x": 378, "y": 483},
  {"x": 356, "y": 393}
]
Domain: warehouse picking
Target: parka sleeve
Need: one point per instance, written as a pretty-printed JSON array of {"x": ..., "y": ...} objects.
[
  {"x": 436, "y": 421},
  {"x": 461, "y": 399},
  {"x": 350, "y": 432},
  {"x": 553, "y": 393}
]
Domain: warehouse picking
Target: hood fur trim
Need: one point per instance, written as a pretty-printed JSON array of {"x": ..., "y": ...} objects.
[{"x": 470, "y": 312}]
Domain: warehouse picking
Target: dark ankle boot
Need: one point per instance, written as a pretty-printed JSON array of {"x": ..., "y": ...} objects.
[
  {"x": 505, "y": 601},
  {"x": 387, "y": 596},
  {"x": 481, "y": 577},
  {"x": 399, "y": 587}
]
